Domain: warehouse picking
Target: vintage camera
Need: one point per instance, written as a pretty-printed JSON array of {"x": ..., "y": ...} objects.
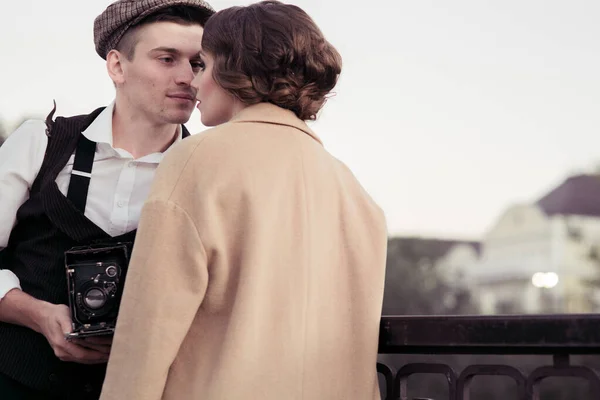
[{"x": 95, "y": 280}]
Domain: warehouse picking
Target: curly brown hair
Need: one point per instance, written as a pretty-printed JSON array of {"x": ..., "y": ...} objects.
[{"x": 272, "y": 52}]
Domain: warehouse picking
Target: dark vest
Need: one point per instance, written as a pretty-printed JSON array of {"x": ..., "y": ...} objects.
[{"x": 48, "y": 224}]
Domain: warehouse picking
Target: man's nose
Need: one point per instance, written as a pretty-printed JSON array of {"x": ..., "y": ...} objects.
[{"x": 185, "y": 75}]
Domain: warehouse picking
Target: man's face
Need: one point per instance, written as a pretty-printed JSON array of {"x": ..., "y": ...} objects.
[{"x": 156, "y": 82}]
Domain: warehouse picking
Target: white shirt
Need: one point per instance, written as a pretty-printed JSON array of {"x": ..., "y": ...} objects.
[{"x": 118, "y": 187}]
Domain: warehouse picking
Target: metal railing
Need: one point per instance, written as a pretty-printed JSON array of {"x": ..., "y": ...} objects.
[{"x": 557, "y": 335}]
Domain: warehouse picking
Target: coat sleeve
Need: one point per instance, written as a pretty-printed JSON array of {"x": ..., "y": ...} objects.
[{"x": 165, "y": 285}]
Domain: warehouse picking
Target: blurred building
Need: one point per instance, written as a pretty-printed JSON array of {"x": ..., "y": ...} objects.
[{"x": 537, "y": 258}]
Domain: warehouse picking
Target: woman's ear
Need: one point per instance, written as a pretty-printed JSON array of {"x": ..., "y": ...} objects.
[{"x": 114, "y": 66}]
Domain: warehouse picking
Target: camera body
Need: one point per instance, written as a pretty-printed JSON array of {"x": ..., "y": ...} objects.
[{"x": 95, "y": 280}]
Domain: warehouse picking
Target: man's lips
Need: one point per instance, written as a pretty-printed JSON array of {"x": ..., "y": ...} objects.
[{"x": 182, "y": 96}]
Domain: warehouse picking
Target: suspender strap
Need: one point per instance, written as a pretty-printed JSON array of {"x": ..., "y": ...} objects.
[{"x": 82, "y": 172}]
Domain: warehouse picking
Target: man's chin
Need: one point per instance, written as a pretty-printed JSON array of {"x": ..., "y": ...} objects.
[{"x": 179, "y": 117}]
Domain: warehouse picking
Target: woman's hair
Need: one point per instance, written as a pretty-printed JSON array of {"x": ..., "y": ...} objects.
[{"x": 272, "y": 52}]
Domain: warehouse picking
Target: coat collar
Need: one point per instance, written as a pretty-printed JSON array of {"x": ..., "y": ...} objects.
[{"x": 271, "y": 114}]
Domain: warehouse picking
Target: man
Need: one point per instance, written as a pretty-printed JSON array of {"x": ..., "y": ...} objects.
[{"x": 52, "y": 199}]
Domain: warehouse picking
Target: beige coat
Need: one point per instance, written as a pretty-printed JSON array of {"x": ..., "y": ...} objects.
[{"x": 257, "y": 272}]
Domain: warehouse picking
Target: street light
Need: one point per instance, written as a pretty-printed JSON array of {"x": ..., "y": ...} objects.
[{"x": 546, "y": 280}]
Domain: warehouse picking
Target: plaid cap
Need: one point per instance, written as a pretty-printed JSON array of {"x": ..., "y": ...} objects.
[{"x": 111, "y": 25}]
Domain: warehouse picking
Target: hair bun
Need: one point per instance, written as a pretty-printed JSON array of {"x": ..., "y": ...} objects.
[{"x": 272, "y": 52}]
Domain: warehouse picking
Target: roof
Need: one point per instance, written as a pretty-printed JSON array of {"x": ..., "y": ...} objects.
[{"x": 578, "y": 195}]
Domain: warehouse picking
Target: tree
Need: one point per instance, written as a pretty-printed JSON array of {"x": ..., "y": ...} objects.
[{"x": 413, "y": 285}]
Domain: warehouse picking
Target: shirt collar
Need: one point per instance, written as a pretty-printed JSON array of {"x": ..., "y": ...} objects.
[{"x": 100, "y": 131}]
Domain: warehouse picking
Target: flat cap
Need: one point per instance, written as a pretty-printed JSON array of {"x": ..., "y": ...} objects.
[{"x": 111, "y": 25}]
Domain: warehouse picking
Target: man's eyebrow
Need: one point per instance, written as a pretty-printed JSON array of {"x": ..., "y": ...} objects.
[{"x": 169, "y": 50}]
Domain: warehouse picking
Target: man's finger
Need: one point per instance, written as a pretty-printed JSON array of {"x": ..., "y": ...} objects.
[
  {"x": 83, "y": 355},
  {"x": 103, "y": 348},
  {"x": 65, "y": 324},
  {"x": 100, "y": 340}
]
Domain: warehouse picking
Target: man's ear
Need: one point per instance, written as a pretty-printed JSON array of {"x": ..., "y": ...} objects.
[{"x": 114, "y": 66}]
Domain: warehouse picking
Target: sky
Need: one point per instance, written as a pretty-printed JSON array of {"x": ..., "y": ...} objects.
[{"x": 447, "y": 112}]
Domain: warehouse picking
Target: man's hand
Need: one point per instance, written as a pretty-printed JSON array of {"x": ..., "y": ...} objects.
[
  {"x": 56, "y": 323},
  {"x": 99, "y": 343}
]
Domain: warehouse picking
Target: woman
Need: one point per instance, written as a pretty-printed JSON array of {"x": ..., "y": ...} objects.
[{"x": 258, "y": 268}]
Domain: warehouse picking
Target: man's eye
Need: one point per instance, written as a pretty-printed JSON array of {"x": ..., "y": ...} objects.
[{"x": 167, "y": 60}]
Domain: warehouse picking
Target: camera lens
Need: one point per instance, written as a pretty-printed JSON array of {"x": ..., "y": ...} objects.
[
  {"x": 94, "y": 298},
  {"x": 111, "y": 271}
]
